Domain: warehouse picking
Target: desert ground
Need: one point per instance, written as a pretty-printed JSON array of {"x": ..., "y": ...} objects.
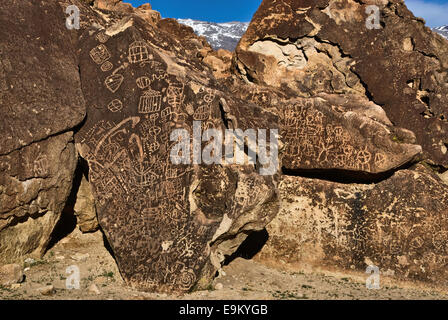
[{"x": 241, "y": 279}]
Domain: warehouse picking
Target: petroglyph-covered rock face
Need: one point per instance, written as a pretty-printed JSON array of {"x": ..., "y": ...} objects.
[
  {"x": 35, "y": 182},
  {"x": 343, "y": 133},
  {"x": 331, "y": 132},
  {"x": 399, "y": 224},
  {"x": 362, "y": 103},
  {"x": 41, "y": 102},
  {"x": 306, "y": 47},
  {"x": 167, "y": 224}
]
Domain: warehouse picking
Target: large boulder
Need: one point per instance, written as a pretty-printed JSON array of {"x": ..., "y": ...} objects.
[
  {"x": 305, "y": 47},
  {"x": 170, "y": 225},
  {"x": 349, "y": 133},
  {"x": 399, "y": 225},
  {"x": 42, "y": 103}
]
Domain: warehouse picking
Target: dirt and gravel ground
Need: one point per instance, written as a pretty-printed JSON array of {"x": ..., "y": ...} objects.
[{"x": 242, "y": 279}]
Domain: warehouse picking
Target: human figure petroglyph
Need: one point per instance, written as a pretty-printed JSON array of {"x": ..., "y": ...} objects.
[
  {"x": 113, "y": 82},
  {"x": 175, "y": 96}
]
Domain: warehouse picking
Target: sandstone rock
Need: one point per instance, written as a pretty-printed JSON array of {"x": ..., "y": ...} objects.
[
  {"x": 46, "y": 291},
  {"x": 84, "y": 209},
  {"x": 219, "y": 286},
  {"x": 35, "y": 182},
  {"x": 94, "y": 289},
  {"x": 80, "y": 256},
  {"x": 399, "y": 224},
  {"x": 170, "y": 226},
  {"x": 151, "y": 16},
  {"x": 11, "y": 274},
  {"x": 219, "y": 61},
  {"x": 41, "y": 101},
  {"x": 114, "y": 5},
  {"x": 307, "y": 47},
  {"x": 343, "y": 133}
]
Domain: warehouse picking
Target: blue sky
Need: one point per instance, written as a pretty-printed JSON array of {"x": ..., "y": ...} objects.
[
  {"x": 206, "y": 10},
  {"x": 435, "y": 12}
]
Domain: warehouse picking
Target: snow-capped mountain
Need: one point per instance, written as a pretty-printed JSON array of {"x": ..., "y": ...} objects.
[
  {"x": 442, "y": 30},
  {"x": 219, "y": 35}
]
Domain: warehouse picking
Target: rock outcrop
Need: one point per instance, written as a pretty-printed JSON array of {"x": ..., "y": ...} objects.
[
  {"x": 41, "y": 102},
  {"x": 170, "y": 225},
  {"x": 332, "y": 46},
  {"x": 85, "y": 209},
  {"x": 399, "y": 225},
  {"x": 345, "y": 110}
]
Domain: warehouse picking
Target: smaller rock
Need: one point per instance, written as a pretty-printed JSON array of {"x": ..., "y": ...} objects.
[
  {"x": 219, "y": 286},
  {"x": 15, "y": 286},
  {"x": 444, "y": 177},
  {"x": 46, "y": 291},
  {"x": 60, "y": 258},
  {"x": 80, "y": 256},
  {"x": 101, "y": 281},
  {"x": 29, "y": 261},
  {"x": 94, "y": 289},
  {"x": 10, "y": 274}
]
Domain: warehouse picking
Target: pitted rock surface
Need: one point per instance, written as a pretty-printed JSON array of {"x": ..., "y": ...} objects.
[
  {"x": 398, "y": 225},
  {"x": 41, "y": 103},
  {"x": 307, "y": 47}
]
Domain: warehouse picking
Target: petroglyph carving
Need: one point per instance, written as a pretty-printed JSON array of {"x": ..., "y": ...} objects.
[
  {"x": 115, "y": 106},
  {"x": 113, "y": 82},
  {"x": 166, "y": 115},
  {"x": 202, "y": 113},
  {"x": 106, "y": 66},
  {"x": 209, "y": 96},
  {"x": 143, "y": 82},
  {"x": 175, "y": 96},
  {"x": 100, "y": 54},
  {"x": 40, "y": 165},
  {"x": 139, "y": 53},
  {"x": 150, "y": 101},
  {"x": 102, "y": 37},
  {"x": 363, "y": 157}
]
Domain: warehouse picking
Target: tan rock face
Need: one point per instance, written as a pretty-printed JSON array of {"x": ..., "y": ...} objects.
[
  {"x": 399, "y": 225},
  {"x": 307, "y": 47},
  {"x": 11, "y": 274},
  {"x": 35, "y": 183},
  {"x": 113, "y": 5},
  {"x": 84, "y": 209},
  {"x": 41, "y": 103}
]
